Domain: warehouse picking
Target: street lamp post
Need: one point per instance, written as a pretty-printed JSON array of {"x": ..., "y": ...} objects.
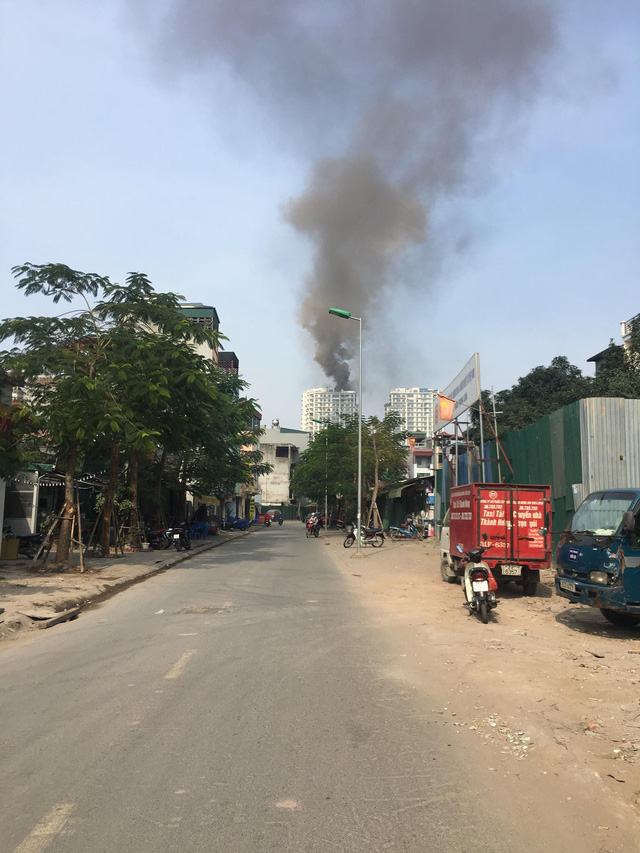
[
  {"x": 326, "y": 470},
  {"x": 346, "y": 315}
]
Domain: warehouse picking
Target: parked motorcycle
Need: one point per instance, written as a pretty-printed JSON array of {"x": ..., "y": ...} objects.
[
  {"x": 478, "y": 583},
  {"x": 267, "y": 521},
  {"x": 373, "y": 536},
  {"x": 159, "y": 539},
  {"x": 410, "y": 530},
  {"x": 337, "y": 524},
  {"x": 181, "y": 537}
]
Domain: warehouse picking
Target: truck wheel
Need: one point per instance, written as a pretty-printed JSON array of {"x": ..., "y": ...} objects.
[
  {"x": 448, "y": 574},
  {"x": 530, "y": 586},
  {"x": 620, "y": 620}
]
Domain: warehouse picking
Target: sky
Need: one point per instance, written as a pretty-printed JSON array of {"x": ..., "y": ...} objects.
[{"x": 465, "y": 177}]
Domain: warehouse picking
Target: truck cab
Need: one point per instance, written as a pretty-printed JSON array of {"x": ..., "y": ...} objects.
[{"x": 598, "y": 556}]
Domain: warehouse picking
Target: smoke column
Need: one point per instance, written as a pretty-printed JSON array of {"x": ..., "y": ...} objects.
[{"x": 401, "y": 104}]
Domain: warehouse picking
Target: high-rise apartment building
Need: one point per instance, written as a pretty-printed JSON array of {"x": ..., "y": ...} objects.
[
  {"x": 416, "y": 407},
  {"x": 324, "y": 404}
]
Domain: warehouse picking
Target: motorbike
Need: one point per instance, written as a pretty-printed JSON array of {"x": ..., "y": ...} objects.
[
  {"x": 159, "y": 539},
  {"x": 410, "y": 530},
  {"x": 478, "y": 583},
  {"x": 373, "y": 536},
  {"x": 280, "y": 520},
  {"x": 181, "y": 538},
  {"x": 267, "y": 521},
  {"x": 313, "y": 528},
  {"x": 337, "y": 524}
]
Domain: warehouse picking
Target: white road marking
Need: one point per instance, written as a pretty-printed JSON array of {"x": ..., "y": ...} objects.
[
  {"x": 192, "y": 634},
  {"x": 180, "y": 664},
  {"x": 45, "y": 831}
]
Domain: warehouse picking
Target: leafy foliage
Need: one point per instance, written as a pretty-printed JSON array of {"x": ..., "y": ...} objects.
[
  {"x": 332, "y": 458},
  {"x": 122, "y": 375}
]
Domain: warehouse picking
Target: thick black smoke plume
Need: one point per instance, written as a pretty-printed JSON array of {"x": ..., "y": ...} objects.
[{"x": 415, "y": 95}]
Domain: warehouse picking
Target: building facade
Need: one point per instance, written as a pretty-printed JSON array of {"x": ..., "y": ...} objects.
[
  {"x": 281, "y": 448},
  {"x": 416, "y": 407},
  {"x": 207, "y": 317},
  {"x": 323, "y": 404}
]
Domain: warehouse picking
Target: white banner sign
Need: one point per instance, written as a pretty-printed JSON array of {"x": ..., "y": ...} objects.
[{"x": 465, "y": 390}]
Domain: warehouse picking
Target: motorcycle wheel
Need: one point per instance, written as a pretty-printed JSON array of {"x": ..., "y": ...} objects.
[
  {"x": 483, "y": 610},
  {"x": 348, "y": 542},
  {"x": 308, "y": 533},
  {"x": 420, "y": 535},
  {"x": 178, "y": 545},
  {"x": 377, "y": 541},
  {"x": 187, "y": 544},
  {"x": 316, "y": 532},
  {"x": 395, "y": 536},
  {"x": 166, "y": 543},
  {"x": 156, "y": 545}
]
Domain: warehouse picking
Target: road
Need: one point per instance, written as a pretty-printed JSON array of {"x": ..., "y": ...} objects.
[{"x": 242, "y": 701}]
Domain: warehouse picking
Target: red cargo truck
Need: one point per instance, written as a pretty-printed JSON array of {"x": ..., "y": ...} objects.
[{"x": 511, "y": 516}]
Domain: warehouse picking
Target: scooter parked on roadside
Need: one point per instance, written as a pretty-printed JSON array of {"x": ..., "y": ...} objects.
[
  {"x": 159, "y": 539},
  {"x": 373, "y": 536},
  {"x": 410, "y": 530},
  {"x": 181, "y": 537},
  {"x": 478, "y": 583}
]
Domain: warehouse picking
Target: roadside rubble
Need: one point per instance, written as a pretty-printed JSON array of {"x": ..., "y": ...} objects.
[
  {"x": 550, "y": 689},
  {"x": 36, "y": 598}
]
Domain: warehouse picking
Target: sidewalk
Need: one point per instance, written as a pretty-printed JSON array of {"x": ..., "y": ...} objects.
[{"x": 30, "y": 596}]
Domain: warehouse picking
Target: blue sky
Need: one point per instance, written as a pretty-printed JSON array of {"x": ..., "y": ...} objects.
[{"x": 113, "y": 160}]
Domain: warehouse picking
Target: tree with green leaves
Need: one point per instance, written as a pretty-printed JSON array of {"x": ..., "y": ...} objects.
[
  {"x": 332, "y": 459},
  {"x": 119, "y": 375}
]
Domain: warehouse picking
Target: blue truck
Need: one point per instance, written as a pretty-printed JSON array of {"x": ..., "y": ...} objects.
[{"x": 598, "y": 556}]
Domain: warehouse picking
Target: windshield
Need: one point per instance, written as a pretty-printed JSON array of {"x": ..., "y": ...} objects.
[{"x": 601, "y": 513}]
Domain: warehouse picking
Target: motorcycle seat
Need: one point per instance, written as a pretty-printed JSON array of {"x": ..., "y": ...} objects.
[{"x": 372, "y": 529}]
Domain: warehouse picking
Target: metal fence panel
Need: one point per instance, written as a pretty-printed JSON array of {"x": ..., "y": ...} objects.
[{"x": 610, "y": 428}]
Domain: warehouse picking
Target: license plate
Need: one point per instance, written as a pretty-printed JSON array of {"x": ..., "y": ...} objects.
[
  {"x": 176, "y": 535},
  {"x": 569, "y": 586},
  {"x": 480, "y": 586},
  {"x": 514, "y": 571}
]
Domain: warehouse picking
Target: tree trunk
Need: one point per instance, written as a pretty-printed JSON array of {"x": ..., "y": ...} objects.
[
  {"x": 107, "y": 509},
  {"x": 64, "y": 537},
  {"x": 157, "y": 490},
  {"x": 133, "y": 496}
]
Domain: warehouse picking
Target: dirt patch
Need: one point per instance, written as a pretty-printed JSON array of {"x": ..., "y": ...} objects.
[{"x": 546, "y": 692}]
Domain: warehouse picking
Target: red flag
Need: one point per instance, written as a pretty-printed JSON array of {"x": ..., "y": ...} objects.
[{"x": 446, "y": 408}]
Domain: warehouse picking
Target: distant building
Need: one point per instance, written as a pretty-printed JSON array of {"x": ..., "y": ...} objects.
[
  {"x": 626, "y": 327},
  {"x": 416, "y": 407},
  {"x": 228, "y": 362},
  {"x": 206, "y": 316},
  {"x": 281, "y": 448},
  {"x": 326, "y": 405}
]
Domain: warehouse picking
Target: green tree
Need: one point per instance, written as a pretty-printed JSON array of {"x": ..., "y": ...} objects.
[
  {"x": 117, "y": 376},
  {"x": 332, "y": 458}
]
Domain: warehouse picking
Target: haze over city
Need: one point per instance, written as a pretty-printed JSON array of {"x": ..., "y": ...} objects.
[{"x": 464, "y": 178}]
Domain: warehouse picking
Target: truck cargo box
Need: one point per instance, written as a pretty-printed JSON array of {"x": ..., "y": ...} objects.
[{"x": 511, "y": 516}]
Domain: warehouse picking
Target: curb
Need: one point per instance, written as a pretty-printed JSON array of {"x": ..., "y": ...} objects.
[{"x": 86, "y": 601}]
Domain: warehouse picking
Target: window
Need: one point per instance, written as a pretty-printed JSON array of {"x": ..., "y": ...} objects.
[{"x": 282, "y": 452}]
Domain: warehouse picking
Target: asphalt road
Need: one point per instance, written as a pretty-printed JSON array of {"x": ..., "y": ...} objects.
[{"x": 259, "y": 711}]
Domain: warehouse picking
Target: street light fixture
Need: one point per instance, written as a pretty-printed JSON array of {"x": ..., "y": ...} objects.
[
  {"x": 326, "y": 470},
  {"x": 347, "y": 315}
]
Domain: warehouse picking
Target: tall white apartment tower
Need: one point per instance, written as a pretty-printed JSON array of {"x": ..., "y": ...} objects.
[
  {"x": 416, "y": 407},
  {"x": 326, "y": 405}
]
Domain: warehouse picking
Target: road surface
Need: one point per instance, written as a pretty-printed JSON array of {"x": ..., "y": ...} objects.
[{"x": 241, "y": 702}]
